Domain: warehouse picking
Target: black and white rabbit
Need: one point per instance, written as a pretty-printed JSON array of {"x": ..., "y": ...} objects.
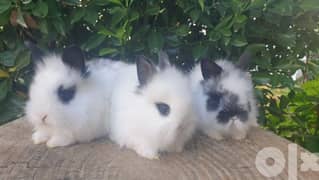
[
  {"x": 68, "y": 99},
  {"x": 151, "y": 108},
  {"x": 224, "y": 98}
]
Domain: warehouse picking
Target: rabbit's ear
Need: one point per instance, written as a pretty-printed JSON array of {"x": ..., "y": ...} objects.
[
  {"x": 244, "y": 60},
  {"x": 36, "y": 53},
  {"x": 73, "y": 57},
  {"x": 210, "y": 69},
  {"x": 145, "y": 70},
  {"x": 163, "y": 60}
]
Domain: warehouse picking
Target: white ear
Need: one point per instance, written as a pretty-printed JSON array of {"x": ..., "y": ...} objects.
[{"x": 163, "y": 60}]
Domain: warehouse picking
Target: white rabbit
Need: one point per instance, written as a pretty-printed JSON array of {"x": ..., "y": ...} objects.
[
  {"x": 224, "y": 98},
  {"x": 68, "y": 100},
  {"x": 151, "y": 108}
]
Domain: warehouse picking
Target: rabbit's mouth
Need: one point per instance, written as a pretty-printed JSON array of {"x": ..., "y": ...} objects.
[
  {"x": 231, "y": 112},
  {"x": 43, "y": 119}
]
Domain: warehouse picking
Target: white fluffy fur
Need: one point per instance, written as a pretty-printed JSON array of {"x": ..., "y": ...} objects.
[
  {"x": 84, "y": 118},
  {"x": 135, "y": 120},
  {"x": 233, "y": 80}
]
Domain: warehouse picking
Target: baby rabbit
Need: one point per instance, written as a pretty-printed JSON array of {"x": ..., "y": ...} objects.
[
  {"x": 67, "y": 99},
  {"x": 224, "y": 98},
  {"x": 151, "y": 108}
]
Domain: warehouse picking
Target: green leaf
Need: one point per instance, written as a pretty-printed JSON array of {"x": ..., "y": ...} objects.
[
  {"x": 11, "y": 108},
  {"x": 77, "y": 15},
  {"x": 118, "y": 13},
  {"x": 41, "y": 9},
  {"x": 155, "y": 10},
  {"x": 117, "y": 2},
  {"x": 199, "y": 50},
  {"x": 106, "y": 32},
  {"x": 155, "y": 41},
  {"x": 195, "y": 14},
  {"x": 214, "y": 35},
  {"x": 93, "y": 42},
  {"x": 26, "y": 1},
  {"x": 312, "y": 143},
  {"x": 257, "y": 3},
  {"x": 309, "y": 5},
  {"x": 201, "y": 4},
  {"x": 72, "y": 2},
  {"x": 23, "y": 59},
  {"x": 241, "y": 19},
  {"x": 182, "y": 30},
  {"x": 133, "y": 15},
  {"x": 239, "y": 41},
  {"x": 4, "y": 74},
  {"x": 4, "y": 88},
  {"x": 286, "y": 39},
  {"x": 91, "y": 16},
  {"x": 101, "y": 2},
  {"x": 4, "y": 18},
  {"x": 4, "y": 5},
  {"x": 225, "y": 23},
  {"x": 43, "y": 26},
  {"x": 7, "y": 58},
  {"x": 226, "y": 32},
  {"x": 284, "y": 101},
  {"x": 282, "y": 7},
  {"x": 108, "y": 51},
  {"x": 59, "y": 26}
]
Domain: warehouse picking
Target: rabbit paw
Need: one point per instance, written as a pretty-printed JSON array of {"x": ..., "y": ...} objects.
[
  {"x": 239, "y": 135},
  {"x": 39, "y": 137},
  {"x": 147, "y": 153},
  {"x": 239, "y": 131},
  {"x": 58, "y": 141},
  {"x": 215, "y": 135}
]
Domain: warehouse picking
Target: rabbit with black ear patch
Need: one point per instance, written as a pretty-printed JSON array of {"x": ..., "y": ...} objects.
[
  {"x": 151, "y": 108},
  {"x": 224, "y": 98},
  {"x": 67, "y": 99}
]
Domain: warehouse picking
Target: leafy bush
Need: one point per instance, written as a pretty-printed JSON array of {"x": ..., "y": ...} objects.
[
  {"x": 295, "y": 115},
  {"x": 279, "y": 32}
]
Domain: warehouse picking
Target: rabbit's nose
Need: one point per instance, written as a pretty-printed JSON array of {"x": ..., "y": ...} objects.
[{"x": 44, "y": 118}]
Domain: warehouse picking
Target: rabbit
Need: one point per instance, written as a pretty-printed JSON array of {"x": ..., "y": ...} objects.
[
  {"x": 68, "y": 98},
  {"x": 224, "y": 98},
  {"x": 151, "y": 109}
]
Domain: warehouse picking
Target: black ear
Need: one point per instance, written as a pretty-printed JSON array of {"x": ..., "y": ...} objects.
[
  {"x": 210, "y": 69},
  {"x": 73, "y": 57},
  {"x": 244, "y": 60},
  {"x": 36, "y": 53},
  {"x": 163, "y": 60},
  {"x": 145, "y": 70}
]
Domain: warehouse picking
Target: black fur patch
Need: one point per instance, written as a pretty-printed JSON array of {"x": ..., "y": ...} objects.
[
  {"x": 249, "y": 106},
  {"x": 145, "y": 70},
  {"x": 36, "y": 53},
  {"x": 210, "y": 69},
  {"x": 213, "y": 101},
  {"x": 74, "y": 58},
  {"x": 66, "y": 94},
  {"x": 227, "y": 113},
  {"x": 231, "y": 110}
]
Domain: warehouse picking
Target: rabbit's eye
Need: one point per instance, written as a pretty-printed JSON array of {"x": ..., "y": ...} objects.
[
  {"x": 66, "y": 94},
  {"x": 163, "y": 108},
  {"x": 213, "y": 101}
]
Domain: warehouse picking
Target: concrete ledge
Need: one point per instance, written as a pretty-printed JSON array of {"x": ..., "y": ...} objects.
[{"x": 203, "y": 159}]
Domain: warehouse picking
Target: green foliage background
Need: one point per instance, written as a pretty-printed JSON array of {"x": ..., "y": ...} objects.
[{"x": 279, "y": 32}]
